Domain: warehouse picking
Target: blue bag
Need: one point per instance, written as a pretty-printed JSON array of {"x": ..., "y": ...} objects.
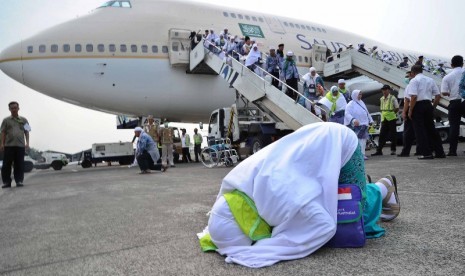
[{"x": 350, "y": 231}]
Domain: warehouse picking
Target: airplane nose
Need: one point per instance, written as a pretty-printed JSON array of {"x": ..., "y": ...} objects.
[{"x": 11, "y": 62}]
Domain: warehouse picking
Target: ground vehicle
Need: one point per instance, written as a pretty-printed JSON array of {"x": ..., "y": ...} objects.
[
  {"x": 219, "y": 152},
  {"x": 122, "y": 152},
  {"x": 50, "y": 159},
  {"x": 246, "y": 126}
]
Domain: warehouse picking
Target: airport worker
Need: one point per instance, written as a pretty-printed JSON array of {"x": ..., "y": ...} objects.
[
  {"x": 14, "y": 141},
  {"x": 290, "y": 74},
  {"x": 151, "y": 128},
  {"x": 147, "y": 152},
  {"x": 186, "y": 144},
  {"x": 404, "y": 63},
  {"x": 408, "y": 135},
  {"x": 421, "y": 90},
  {"x": 450, "y": 87},
  {"x": 357, "y": 118},
  {"x": 336, "y": 105},
  {"x": 273, "y": 66},
  {"x": 280, "y": 204},
  {"x": 388, "y": 106},
  {"x": 343, "y": 90},
  {"x": 166, "y": 138},
  {"x": 197, "y": 144}
]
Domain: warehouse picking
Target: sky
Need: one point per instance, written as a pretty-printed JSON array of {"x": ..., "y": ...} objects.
[{"x": 427, "y": 26}]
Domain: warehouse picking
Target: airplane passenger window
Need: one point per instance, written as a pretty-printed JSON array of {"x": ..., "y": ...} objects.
[
  {"x": 313, "y": 28},
  {"x": 306, "y": 59},
  {"x": 260, "y": 19},
  {"x": 292, "y": 25},
  {"x": 254, "y": 18},
  {"x": 154, "y": 49},
  {"x": 77, "y": 48},
  {"x": 112, "y": 47},
  {"x": 319, "y": 29},
  {"x": 125, "y": 4},
  {"x": 225, "y": 14},
  {"x": 66, "y": 48},
  {"x": 240, "y": 16},
  {"x": 300, "y": 58},
  {"x": 144, "y": 48},
  {"x": 29, "y": 49},
  {"x": 285, "y": 24},
  {"x": 54, "y": 48},
  {"x": 42, "y": 48},
  {"x": 101, "y": 48},
  {"x": 324, "y": 31},
  {"x": 308, "y": 28},
  {"x": 123, "y": 48},
  {"x": 233, "y": 15},
  {"x": 89, "y": 48},
  {"x": 134, "y": 48},
  {"x": 297, "y": 26},
  {"x": 164, "y": 49},
  {"x": 247, "y": 17},
  {"x": 303, "y": 27}
]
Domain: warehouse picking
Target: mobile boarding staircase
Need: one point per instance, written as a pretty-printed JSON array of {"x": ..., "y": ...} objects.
[
  {"x": 252, "y": 87},
  {"x": 354, "y": 61}
]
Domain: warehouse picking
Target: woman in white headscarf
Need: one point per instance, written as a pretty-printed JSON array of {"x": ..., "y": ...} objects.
[
  {"x": 358, "y": 118},
  {"x": 293, "y": 189},
  {"x": 253, "y": 57}
]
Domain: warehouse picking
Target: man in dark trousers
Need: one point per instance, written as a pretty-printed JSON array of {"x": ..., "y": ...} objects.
[
  {"x": 450, "y": 88},
  {"x": 408, "y": 133},
  {"x": 421, "y": 90},
  {"x": 14, "y": 142},
  {"x": 389, "y": 107}
]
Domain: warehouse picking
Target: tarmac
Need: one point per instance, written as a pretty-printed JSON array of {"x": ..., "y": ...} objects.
[{"x": 112, "y": 221}]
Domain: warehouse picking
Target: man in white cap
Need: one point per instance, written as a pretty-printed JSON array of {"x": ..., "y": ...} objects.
[
  {"x": 147, "y": 152},
  {"x": 273, "y": 66},
  {"x": 343, "y": 90},
  {"x": 291, "y": 75}
]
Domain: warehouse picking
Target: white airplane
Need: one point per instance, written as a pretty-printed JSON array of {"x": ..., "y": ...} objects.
[{"x": 121, "y": 58}]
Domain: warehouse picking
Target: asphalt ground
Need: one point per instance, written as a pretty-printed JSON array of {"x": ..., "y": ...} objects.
[{"x": 113, "y": 221}]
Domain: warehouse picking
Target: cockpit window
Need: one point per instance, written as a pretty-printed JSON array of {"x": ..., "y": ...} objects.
[{"x": 117, "y": 4}]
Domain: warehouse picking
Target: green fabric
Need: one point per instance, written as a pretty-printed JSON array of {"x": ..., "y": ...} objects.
[
  {"x": 332, "y": 99},
  {"x": 197, "y": 139},
  {"x": 387, "y": 108},
  {"x": 246, "y": 215},
  {"x": 353, "y": 172},
  {"x": 207, "y": 244}
]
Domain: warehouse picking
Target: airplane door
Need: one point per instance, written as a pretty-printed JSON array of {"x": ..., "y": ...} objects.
[
  {"x": 179, "y": 46},
  {"x": 275, "y": 25}
]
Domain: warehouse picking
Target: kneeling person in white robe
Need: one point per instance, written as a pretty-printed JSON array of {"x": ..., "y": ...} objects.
[{"x": 284, "y": 198}]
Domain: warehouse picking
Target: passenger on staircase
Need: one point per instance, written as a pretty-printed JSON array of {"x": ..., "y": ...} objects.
[
  {"x": 361, "y": 48},
  {"x": 420, "y": 62},
  {"x": 311, "y": 81},
  {"x": 374, "y": 52},
  {"x": 280, "y": 52},
  {"x": 387, "y": 58},
  {"x": 246, "y": 47},
  {"x": 226, "y": 34},
  {"x": 403, "y": 64},
  {"x": 290, "y": 74},
  {"x": 343, "y": 90},
  {"x": 336, "y": 104},
  {"x": 253, "y": 60},
  {"x": 230, "y": 46},
  {"x": 220, "y": 42},
  {"x": 273, "y": 66}
]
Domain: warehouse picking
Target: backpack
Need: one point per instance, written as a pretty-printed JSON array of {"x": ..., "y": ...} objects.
[{"x": 462, "y": 86}]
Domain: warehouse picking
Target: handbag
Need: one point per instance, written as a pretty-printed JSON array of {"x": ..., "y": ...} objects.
[{"x": 350, "y": 230}]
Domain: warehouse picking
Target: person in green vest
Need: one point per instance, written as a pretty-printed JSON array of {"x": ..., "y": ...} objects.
[
  {"x": 389, "y": 107},
  {"x": 186, "y": 144},
  {"x": 197, "y": 144}
]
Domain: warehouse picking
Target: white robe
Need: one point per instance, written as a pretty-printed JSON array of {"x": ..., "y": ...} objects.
[{"x": 293, "y": 183}]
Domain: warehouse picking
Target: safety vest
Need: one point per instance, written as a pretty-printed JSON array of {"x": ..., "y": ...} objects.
[
  {"x": 387, "y": 108},
  {"x": 197, "y": 139},
  {"x": 152, "y": 130},
  {"x": 246, "y": 215}
]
